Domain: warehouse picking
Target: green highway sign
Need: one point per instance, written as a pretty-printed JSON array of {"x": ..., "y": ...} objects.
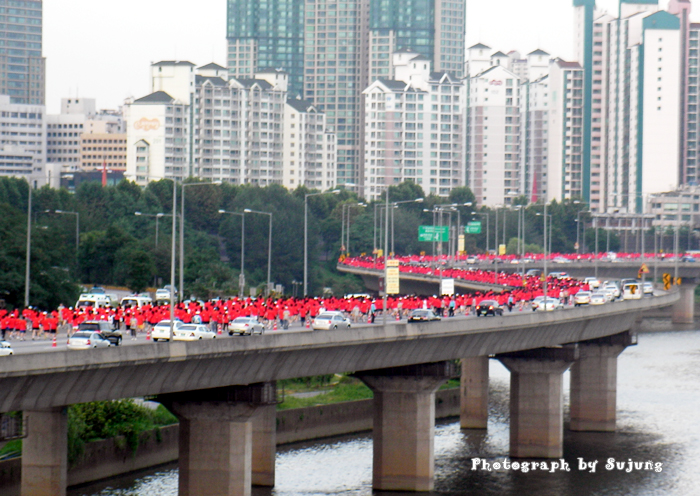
[
  {"x": 433, "y": 233},
  {"x": 473, "y": 227}
]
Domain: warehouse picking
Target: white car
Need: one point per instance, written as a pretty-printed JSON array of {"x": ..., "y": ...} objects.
[
  {"x": 549, "y": 305},
  {"x": 330, "y": 320},
  {"x": 85, "y": 340},
  {"x": 592, "y": 282},
  {"x": 614, "y": 288},
  {"x": 598, "y": 298},
  {"x": 162, "y": 330},
  {"x": 245, "y": 325},
  {"x": 582, "y": 298},
  {"x": 193, "y": 332},
  {"x": 632, "y": 291},
  {"x": 648, "y": 288},
  {"x": 609, "y": 294},
  {"x": 6, "y": 349}
]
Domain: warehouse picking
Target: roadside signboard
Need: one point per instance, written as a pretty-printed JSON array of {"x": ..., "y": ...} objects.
[
  {"x": 433, "y": 233},
  {"x": 392, "y": 277},
  {"x": 473, "y": 227},
  {"x": 460, "y": 244},
  {"x": 447, "y": 287}
]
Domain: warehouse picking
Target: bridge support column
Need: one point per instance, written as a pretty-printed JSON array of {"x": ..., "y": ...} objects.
[
  {"x": 404, "y": 424},
  {"x": 264, "y": 446},
  {"x": 594, "y": 383},
  {"x": 474, "y": 393},
  {"x": 683, "y": 311},
  {"x": 45, "y": 453},
  {"x": 536, "y": 391},
  {"x": 216, "y": 437}
]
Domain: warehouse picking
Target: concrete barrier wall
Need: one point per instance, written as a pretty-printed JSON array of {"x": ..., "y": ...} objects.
[{"x": 109, "y": 458}]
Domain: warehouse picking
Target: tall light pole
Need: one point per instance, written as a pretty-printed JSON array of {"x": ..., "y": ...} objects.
[
  {"x": 182, "y": 234},
  {"x": 395, "y": 205},
  {"x": 157, "y": 216},
  {"x": 345, "y": 234},
  {"x": 241, "y": 277},
  {"x": 269, "y": 245},
  {"x": 172, "y": 255},
  {"x": 306, "y": 234},
  {"x": 487, "y": 227},
  {"x": 77, "y": 228},
  {"x": 29, "y": 246}
]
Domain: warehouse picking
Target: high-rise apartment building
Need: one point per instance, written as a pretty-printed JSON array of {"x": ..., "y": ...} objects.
[
  {"x": 22, "y": 66},
  {"x": 634, "y": 100},
  {"x": 266, "y": 34},
  {"x": 23, "y": 141},
  {"x": 338, "y": 48},
  {"x": 414, "y": 128},
  {"x": 199, "y": 122}
]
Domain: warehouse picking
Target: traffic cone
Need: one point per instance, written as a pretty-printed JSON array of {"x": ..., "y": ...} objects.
[
  {"x": 274, "y": 328},
  {"x": 398, "y": 316},
  {"x": 308, "y": 324},
  {"x": 148, "y": 334},
  {"x": 219, "y": 327},
  {"x": 53, "y": 344}
]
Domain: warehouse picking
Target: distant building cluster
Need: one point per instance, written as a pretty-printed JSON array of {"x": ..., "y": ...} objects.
[{"x": 372, "y": 93}]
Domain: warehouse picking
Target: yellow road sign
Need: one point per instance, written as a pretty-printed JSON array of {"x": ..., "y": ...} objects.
[{"x": 667, "y": 281}]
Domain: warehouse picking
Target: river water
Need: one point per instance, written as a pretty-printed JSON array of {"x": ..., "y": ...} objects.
[{"x": 658, "y": 422}]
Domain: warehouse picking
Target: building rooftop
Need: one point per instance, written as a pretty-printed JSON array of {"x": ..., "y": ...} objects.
[
  {"x": 479, "y": 46},
  {"x": 212, "y": 66},
  {"x": 539, "y": 52},
  {"x": 216, "y": 81},
  {"x": 172, "y": 62},
  {"x": 249, "y": 83},
  {"x": 301, "y": 105},
  {"x": 157, "y": 97}
]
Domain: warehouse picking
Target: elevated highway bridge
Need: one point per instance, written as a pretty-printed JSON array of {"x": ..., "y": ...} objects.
[{"x": 224, "y": 395}]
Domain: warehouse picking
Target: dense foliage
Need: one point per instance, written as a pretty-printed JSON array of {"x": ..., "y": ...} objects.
[{"x": 119, "y": 248}]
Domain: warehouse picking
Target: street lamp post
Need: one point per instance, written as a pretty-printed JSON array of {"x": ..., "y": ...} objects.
[
  {"x": 578, "y": 228},
  {"x": 157, "y": 216},
  {"x": 77, "y": 228},
  {"x": 182, "y": 234},
  {"x": 241, "y": 277},
  {"x": 306, "y": 235},
  {"x": 487, "y": 227},
  {"x": 29, "y": 247},
  {"x": 269, "y": 245},
  {"x": 395, "y": 205}
]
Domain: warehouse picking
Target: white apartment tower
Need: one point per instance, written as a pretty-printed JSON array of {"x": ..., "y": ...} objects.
[
  {"x": 200, "y": 122},
  {"x": 493, "y": 140},
  {"x": 414, "y": 128}
]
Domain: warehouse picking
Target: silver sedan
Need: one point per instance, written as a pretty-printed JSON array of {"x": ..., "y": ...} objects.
[
  {"x": 245, "y": 325},
  {"x": 85, "y": 340}
]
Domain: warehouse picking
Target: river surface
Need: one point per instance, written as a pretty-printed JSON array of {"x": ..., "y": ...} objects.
[{"x": 658, "y": 422}]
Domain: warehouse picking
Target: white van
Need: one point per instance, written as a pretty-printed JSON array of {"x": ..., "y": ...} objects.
[
  {"x": 632, "y": 291},
  {"x": 96, "y": 300},
  {"x": 136, "y": 301}
]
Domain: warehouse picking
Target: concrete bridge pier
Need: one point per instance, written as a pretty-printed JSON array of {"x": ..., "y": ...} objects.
[
  {"x": 404, "y": 424},
  {"x": 216, "y": 437},
  {"x": 594, "y": 383},
  {"x": 264, "y": 446},
  {"x": 536, "y": 400},
  {"x": 683, "y": 311},
  {"x": 45, "y": 453},
  {"x": 474, "y": 393}
]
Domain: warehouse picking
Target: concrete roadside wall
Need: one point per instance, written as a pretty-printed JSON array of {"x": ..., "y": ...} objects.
[{"x": 109, "y": 458}]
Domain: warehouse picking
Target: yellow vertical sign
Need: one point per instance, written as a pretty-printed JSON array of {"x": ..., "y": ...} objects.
[
  {"x": 460, "y": 243},
  {"x": 392, "y": 277}
]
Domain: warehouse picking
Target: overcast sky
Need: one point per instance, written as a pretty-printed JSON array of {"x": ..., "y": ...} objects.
[{"x": 103, "y": 50}]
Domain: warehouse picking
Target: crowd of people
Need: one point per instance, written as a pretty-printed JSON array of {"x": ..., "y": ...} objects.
[{"x": 32, "y": 323}]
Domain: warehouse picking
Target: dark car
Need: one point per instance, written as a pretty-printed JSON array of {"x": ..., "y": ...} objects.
[
  {"x": 422, "y": 316},
  {"x": 104, "y": 328},
  {"x": 488, "y": 307}
]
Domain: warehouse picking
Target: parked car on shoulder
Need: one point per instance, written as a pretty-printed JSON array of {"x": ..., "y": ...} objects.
[
  {"x": 104, "y": 328},
  {"x": 330, "y": 320},
  {"x": 85, "y": 340},
  {"x": 161, "y": 331},
  {"x": 421, "y": 315},
  {"x": 488, "y": 307},
  {"x": 193, "y": 332},
  {"x": 245, "y": 326},
  {"x": 6, "y": 349}
]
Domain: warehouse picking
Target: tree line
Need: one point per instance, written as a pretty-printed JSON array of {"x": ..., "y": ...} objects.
[{"x": 117, "y": 247}]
